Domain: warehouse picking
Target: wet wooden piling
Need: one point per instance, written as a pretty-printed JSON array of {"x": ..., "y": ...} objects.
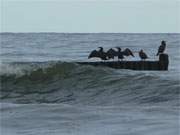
[{"x": 161, "y": 64}]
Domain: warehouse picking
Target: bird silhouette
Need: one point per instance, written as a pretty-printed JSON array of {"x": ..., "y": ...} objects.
[
  {"x": 161, "y": 48},
  {"x": 120, "y": 54},
  {"x": 98, "y": 54},
  {"x": 143, "y": 55},
  {"x": 111, "y": 53},
  {"x": 128, "y": 52}
]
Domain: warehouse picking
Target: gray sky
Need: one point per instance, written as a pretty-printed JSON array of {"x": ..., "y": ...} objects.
[{"x": 90, "y": 16}]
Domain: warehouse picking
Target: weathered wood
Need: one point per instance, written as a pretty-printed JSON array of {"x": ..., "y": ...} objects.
[
  {"x": 163, "y": 61},
  {"x": 162, "y": 64}
]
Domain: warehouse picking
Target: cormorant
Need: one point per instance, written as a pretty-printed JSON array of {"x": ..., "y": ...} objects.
[
  {"x": 120, "y": 54},
  {"x": 111, "y": 53},
  {"x": 128, "y": 52},
  {"x": 143, "y": 55},
  {"x": 162, "y": 48},
  {"x": 99, "y": 54}
]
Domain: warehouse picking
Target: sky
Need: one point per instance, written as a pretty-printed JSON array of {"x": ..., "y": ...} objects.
[{"x": 90, "y": 16}]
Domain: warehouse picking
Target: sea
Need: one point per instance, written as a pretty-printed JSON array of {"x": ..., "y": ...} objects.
[{"x": 45, "y": 92}]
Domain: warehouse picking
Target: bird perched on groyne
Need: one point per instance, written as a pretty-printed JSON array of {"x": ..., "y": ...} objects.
[
  {"x": 161, "y": 48},
  {"x": 128, "y": 52},
  {"x": 142, "y": 55},
  {"x": 99, "y": 54},
  {"x": 120, "y": 53},
  {"x": 111, "y": 53}
]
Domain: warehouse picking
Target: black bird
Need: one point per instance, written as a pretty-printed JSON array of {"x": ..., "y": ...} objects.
[
  {"x": 143, "y": 55},
  {"x": 128, "y": 52},
  {"x": 94, "y": 53},
  {"x": 162, "y": 48},
  {"x": 120, "y": 53},
  {"x": 111, "y": 53},
  {"x": 102, "y": 54},
  {"x": 99, "y": 54}
]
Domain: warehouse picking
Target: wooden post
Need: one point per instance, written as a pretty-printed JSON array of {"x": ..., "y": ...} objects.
[{"x": 163, "y": 61}]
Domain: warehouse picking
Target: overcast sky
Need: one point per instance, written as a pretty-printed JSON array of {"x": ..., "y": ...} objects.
[{"x": 89, "y": 16}]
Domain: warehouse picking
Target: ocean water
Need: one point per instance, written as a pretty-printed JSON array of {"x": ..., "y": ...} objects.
[{"x": 43, "y": 91}]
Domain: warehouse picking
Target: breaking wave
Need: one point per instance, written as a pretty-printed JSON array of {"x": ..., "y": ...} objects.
[{"x": 62, "y": 82}]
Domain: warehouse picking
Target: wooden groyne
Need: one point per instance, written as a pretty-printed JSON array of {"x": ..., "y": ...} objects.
[{"x": 161, "y": 64}]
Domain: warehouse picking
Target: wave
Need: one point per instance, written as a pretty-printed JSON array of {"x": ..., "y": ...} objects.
[{"x": 59, "y": 82}]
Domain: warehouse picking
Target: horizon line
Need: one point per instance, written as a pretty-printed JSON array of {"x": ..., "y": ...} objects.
[{"x": 96, "y": 32}]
